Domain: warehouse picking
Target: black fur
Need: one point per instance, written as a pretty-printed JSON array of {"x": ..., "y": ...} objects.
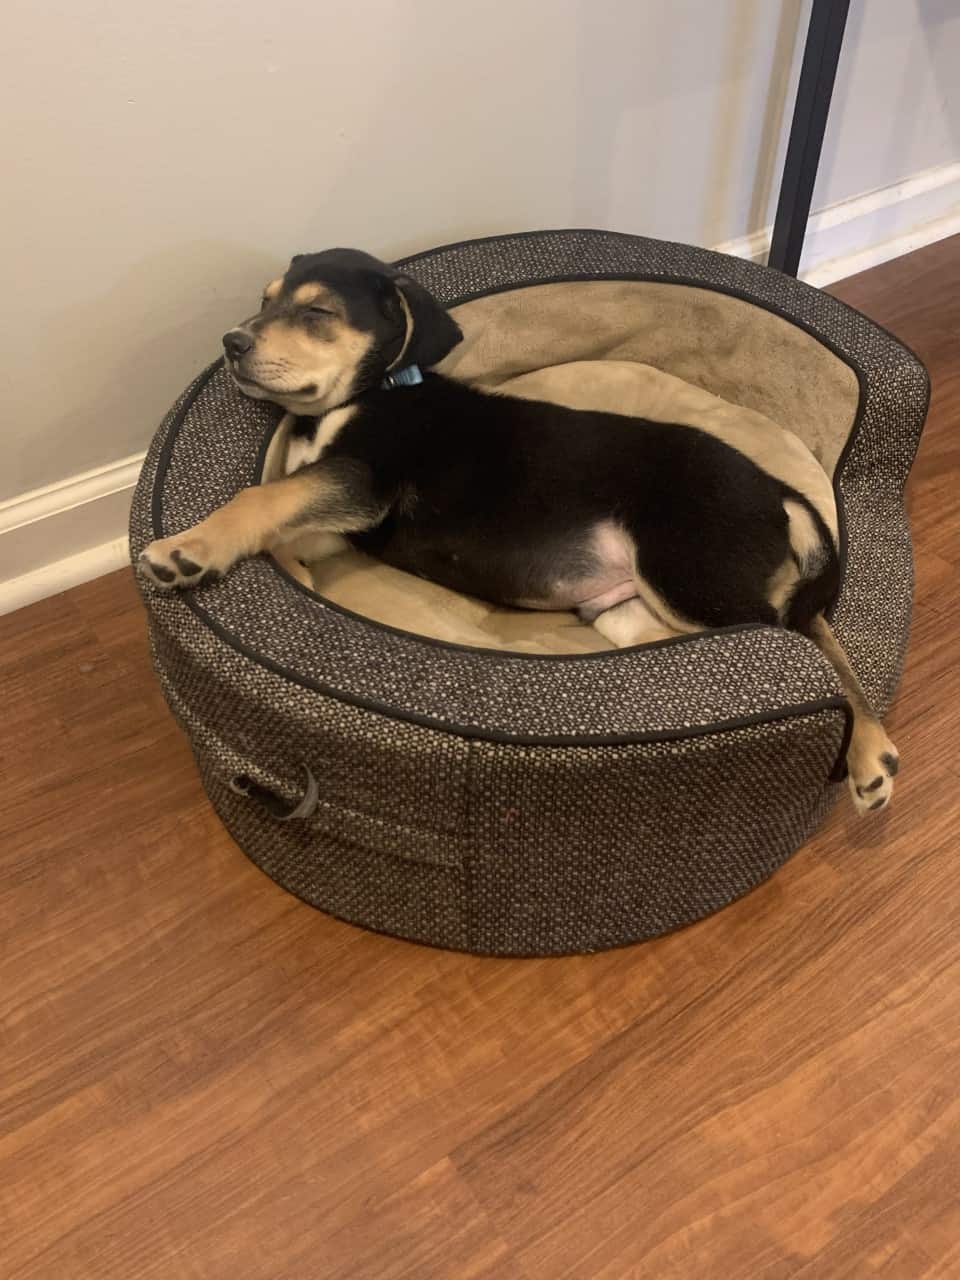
[
  {"x": 435, "y": 332},
  {"x": 497, "y": 497}
]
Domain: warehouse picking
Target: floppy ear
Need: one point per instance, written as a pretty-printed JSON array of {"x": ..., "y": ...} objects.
[{"x": 433, "y": 332}]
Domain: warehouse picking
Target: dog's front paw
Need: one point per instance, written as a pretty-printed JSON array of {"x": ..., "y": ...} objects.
[
  {"x": 185, "y": 560},
  {"x": 872, "y": 763}
]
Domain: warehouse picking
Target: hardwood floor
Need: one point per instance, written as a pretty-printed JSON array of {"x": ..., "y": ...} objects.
[{"x": 201, "y": 1077}]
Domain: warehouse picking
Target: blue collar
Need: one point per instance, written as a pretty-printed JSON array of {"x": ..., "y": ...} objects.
[{"x": 409, "y": 376}]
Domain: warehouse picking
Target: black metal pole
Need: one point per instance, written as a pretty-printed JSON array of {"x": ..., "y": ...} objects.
[{"x": 820, "y": 57}]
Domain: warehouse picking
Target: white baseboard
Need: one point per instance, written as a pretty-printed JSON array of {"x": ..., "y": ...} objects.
[
  {"x": 57, "y": 537},
  {"x": 61, "y": 575},
  {"x": 67, "y": 533},
  {"x": 870, "y": 228}
]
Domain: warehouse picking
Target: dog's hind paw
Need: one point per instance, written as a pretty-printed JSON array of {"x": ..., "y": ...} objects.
[
  {"x": 181, "y": 561},
  {"x": 872, "y": 763}
]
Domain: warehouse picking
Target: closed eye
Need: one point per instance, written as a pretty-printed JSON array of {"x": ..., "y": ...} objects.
[{"x": 320, "y": 311}]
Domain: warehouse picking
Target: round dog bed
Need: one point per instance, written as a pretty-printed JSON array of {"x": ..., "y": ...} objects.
[{"x": 496, "y": 781}]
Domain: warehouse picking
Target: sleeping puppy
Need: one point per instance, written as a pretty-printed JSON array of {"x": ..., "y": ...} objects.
[{"x": 647, "y": 530}]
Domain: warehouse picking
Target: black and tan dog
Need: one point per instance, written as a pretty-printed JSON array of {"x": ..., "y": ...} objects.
[{"x": 647, "y": 530}]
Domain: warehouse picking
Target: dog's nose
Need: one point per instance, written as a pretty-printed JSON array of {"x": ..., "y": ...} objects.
[{"x": 236, "y": 343}]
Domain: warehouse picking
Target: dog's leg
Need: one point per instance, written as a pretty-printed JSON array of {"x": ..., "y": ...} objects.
[
  {"x": 329, "y": 497},
  {"x": 289, "y": 561},
  {"x": 296, "y": 555},
  {"x": 632, "y": 622},
  {"x": 872, "y": 759}
]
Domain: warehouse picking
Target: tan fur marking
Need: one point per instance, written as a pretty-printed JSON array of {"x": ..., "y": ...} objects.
[
  {"x": 315, "y": 546},
  {"x": 308, "y": 293},
  {"x": 287, "y": 356},
  {"x": 273, "y": 288},
  {"x": 804, "y": 535},
  {"x": 633, "y": 622},
  {"x": 274, "y": 463},
  {"x": 870, "y": 752},
  {"x": 821, "y": 633},
  {"x": 262, "y": 518},
  {"x": 255, "y": 520},
  {"x": 408, "y": 334},
  {"x": 781, "y": 585},
  {"x": 807, "y": 546}
]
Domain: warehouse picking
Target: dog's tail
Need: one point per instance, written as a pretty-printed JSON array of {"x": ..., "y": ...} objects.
[{"x": 817, "y": 559}]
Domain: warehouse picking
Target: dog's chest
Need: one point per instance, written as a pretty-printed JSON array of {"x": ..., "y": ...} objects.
[{"x": 308, "y": 437}]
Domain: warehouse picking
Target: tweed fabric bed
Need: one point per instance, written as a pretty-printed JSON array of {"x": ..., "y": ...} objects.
[
  {"x": 514, "y": 804},
  {"x": 495, "y": 847}
]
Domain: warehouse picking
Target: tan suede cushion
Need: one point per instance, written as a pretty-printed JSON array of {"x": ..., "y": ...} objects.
[
  {"x": 738, "y": 351},
  {"x": 672, "y": 353}
]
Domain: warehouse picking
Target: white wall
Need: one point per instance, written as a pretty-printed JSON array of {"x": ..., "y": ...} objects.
[
  {"x": 169, "y": 155},
  {"x": 896, "y": 103}
]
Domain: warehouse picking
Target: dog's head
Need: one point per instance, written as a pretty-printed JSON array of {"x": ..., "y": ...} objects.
[{"x": 332, "y": 327}]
